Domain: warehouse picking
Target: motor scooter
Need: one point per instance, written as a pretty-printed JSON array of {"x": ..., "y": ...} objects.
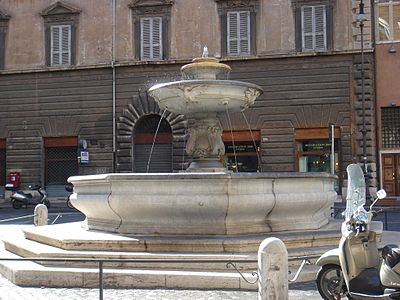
[
  {"x": 20, "y": 199},
  {"x": 355, "y": 269}
]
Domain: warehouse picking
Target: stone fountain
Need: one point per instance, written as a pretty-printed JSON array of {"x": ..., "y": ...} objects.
[
  {"x": 204, "y": 213},
  {"x": 207, "y": 199}
]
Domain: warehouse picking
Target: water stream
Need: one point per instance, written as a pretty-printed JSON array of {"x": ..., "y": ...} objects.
[
  {"x": 154, "y": 140},
  {"x": 254, "y": 141}
]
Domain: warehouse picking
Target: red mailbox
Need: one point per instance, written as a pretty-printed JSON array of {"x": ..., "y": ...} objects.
[{"x": 14, "y": 178}]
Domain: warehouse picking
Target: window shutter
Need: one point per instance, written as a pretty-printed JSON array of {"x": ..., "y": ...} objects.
[
  {"x": 65, "y": 45},
  {"x": 307, "y": 26},
  {"x": 157, "y": 34},
  {"x": 151, "y": 38},
  {"x": 233, "y": 34},
  {"x": 55, "y": 45},
  {"x": 320, "y": 27},
  {"x": 244, "y": 28},
  {"x": 2, "y": 49},
  {"x": 238, "y": 28},
  {"x": 313, "y": 20},
  {"x": 60, "y": 45},
  {"x": 145, "y": 51}
]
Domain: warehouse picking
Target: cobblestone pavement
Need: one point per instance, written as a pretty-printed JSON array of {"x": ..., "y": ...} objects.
[{"x": 9, "y": 291}]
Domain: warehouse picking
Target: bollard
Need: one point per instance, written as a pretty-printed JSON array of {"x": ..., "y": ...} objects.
[
  {"x": 40, "y": 215},
  {"x": 273, "y": 270}
]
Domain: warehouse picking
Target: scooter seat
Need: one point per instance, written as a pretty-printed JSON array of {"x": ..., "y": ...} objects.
[{"x": 391, "y": 255}]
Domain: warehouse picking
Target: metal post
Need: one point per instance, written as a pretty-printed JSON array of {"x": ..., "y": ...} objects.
[
  {"x": 333, "y": 149},
  {"x": 100, "y": 280},
  {"x": 361, "y": 19}
]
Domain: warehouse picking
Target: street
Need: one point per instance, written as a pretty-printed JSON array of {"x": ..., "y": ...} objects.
[{"x": 58, "y": 213}]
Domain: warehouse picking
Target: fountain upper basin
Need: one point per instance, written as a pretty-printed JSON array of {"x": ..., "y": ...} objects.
[
  {"x": 204, "y": 203},
  {"x": 202, "y": 95}
]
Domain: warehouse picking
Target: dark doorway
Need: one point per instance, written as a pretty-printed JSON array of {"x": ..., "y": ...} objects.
[
  {"x": 149, "y": 158},
  {"x": 61, "y": 163}
]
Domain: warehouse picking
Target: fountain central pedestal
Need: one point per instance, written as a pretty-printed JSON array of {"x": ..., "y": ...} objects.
[{"x": 201, "y": 95}]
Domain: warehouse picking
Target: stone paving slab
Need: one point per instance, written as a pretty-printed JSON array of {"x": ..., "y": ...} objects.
[{"x": 9, "y": 291}]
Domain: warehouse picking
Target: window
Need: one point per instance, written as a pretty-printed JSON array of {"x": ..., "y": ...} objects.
[
  {"x": 314, "y": 23},
  {"x": 60, "y": 21},
  {"x": 151, "y": 38},
  {"x": 314, "y": 151},
  {"x": 60, "y": 45},
  {"x": 390, "y": 127},
  {"x": 151, "y": 33},
  {"x": 3, "y": 30},
  {"x": 388, "y": 22},
  {"x": 238, "y": 27},
  {"x": 242, "y": 151}
]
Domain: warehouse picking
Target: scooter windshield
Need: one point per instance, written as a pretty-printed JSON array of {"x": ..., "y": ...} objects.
[{"x": 355, "y": 190}]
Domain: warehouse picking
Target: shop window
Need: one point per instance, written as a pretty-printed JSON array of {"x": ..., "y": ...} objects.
[
  {"x": 242, "y": 151},
  {"x": 388, "y": 21},
  {"x": 3, "y": 31},
  {"x": 61, "y": 160},
  {"x": 151, "y": 21},
  {"x": 390, "y": 127},
  {"x": 152, "y": 152},
  {"x": 61, "y": 21},
  {"x": 314, "y": 151},
  {"x": 238, "y": 27}
]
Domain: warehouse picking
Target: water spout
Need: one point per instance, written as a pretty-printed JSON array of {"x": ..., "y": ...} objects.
[{"x": 205, "y": 52}]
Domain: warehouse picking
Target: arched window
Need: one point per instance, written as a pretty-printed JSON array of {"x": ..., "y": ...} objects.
[{"x": 149, "y": 158}]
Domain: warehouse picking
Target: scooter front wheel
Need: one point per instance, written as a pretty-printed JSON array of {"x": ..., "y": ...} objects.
[
  {"x": 16, "y": 205},
  {"x": 331, "y": 284}
]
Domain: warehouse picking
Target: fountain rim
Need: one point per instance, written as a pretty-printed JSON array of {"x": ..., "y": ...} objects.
[
  {"x": 210, "y": 82},
  {"x": 108, "y": 177}
]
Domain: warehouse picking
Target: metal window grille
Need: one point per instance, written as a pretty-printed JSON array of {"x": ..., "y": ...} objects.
[
  {"x": 61, "y": 163},
  {"x": 390, "y": 127}
]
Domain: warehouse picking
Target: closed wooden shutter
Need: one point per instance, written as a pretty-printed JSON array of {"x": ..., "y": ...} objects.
[
  {"x": 160, "y": 161},
  {"x": 238, "y": 28},
  {"x": 313, "y": 20},
  {"x": 2, "y": 49},
  {"x": 151, "y": 38},
  {"x": 60, "y": 45}
]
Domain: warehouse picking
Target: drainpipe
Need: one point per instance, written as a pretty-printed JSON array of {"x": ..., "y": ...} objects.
[{"x": 113, "y": 87}]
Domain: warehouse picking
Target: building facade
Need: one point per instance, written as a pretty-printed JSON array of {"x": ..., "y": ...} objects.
[
  {"x": 387, "y": 94},
  {"x": 74, "y": 76}
]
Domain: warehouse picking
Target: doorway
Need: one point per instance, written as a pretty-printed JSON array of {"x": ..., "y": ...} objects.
[
  {"x": 391, "y": 173},
  {"x": 149, "y": 158}
]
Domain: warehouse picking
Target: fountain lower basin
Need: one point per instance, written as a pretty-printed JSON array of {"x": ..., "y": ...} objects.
[{"x": 204, "y": 203}]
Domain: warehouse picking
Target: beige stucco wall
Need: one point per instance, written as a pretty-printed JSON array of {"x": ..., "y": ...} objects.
[{"x": 194, "y": 23}]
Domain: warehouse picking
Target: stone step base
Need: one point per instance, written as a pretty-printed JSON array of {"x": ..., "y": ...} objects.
[
  {"x": 72, "y": 236},
  {"x": 32, "y": 249},
  {"x": 72, "y": 241},
  {"x": 32, "y": 274}
]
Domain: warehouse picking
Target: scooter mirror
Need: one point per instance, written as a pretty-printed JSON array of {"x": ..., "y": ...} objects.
[{"x": 381, "y": 194}]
